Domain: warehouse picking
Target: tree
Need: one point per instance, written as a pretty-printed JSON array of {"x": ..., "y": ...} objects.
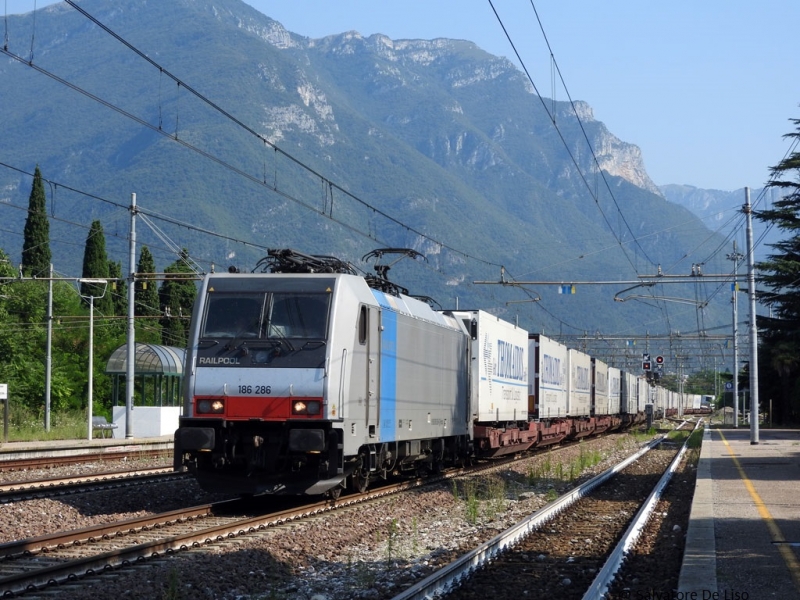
[
  {"x": 95, "y": 266},
  {"x": 36, "y": 255},
  {"x": 6, "y": 270},
  {"x": 23, "y": 331},
  {"x": 177, "y": 299},
  {"x": 118, "y": 289},
  {"x": 779, "y": 276},
  {"x": 146, "y": 307}
]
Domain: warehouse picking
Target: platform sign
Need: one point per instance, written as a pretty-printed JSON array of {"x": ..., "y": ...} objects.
[
  {"x": 729, "y": 385},
  {"x": 3, "y": 391}
]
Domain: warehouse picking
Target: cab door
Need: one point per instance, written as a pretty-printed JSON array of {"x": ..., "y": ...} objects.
[{"x": 373, "y": 315}]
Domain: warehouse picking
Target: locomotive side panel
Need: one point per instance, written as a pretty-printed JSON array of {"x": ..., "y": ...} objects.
[
  {"x": 423, "y": 378},
  {"x": 353, "y": 363}
]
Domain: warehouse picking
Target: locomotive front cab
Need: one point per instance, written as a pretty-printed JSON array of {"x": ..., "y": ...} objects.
[{"x": 256, "y": 412}]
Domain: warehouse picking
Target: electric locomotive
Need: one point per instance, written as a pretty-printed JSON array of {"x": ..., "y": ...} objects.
[{"x": 303, "y": 378}]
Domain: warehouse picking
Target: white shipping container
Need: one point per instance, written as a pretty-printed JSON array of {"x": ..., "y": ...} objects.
[
  {"x": 600, "y": 404},
  {"x": 629, "y": 400},
  {"x": 547, "y": 377},
  {"x": 500, "y": 381},
  {"x": 614, "y": 390},
  {"x": 643, "y": 393},
  {"x": 661, "y": 399},
  {"x": 579, "y": 384}
]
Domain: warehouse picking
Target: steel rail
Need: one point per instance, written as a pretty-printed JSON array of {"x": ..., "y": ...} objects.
[
  {"x": 54, "y": 574},
  {"x": 9, "y": 462},
  {"x": 606, "y": 575},
  {"x": 451, "y": 576},
  {"x": 73, "y": 484}
]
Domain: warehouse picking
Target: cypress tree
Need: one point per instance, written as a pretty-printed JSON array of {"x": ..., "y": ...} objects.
[
  {"x": 177, "y": 300},
  {"x": 146, "y": 306},
  {"x": 95, "y": 266},
  {"x": 118, "y": 289},
  {"x": 36, "y": 255}
]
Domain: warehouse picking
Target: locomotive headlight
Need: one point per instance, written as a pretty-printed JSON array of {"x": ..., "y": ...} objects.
[
  {"x": 306, "y": 407},
  {"x": 208, "y": 406}
]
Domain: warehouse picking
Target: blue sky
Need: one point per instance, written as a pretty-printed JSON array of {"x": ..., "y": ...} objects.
[{"x": 705, "y": 88}]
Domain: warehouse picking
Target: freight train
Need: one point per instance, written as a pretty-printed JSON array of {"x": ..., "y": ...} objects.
[{"x": 309, "y": 378}]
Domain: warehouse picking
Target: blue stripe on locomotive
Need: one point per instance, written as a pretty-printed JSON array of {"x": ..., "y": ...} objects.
[{"x": 388, "y": 398}]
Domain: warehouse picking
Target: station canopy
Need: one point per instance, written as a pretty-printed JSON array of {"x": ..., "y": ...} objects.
[{"x": 149, "y": 359}]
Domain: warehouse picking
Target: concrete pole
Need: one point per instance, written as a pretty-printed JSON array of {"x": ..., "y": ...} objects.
[
  {"x": 48, "y": 365},
  {"x": 91, "y": 362},
  {"x": 751, "y": 292},
  {"x": 735, "y": 257},
  {"x": 130, "y": 373}
]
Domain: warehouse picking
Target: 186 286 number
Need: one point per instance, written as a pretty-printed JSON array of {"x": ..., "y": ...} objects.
[{"x": 255, "y": 389}]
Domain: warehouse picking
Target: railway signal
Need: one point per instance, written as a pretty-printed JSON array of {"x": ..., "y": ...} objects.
[
  {"x": 647, "y": 365},
  {"x": 660, "y": 362}
]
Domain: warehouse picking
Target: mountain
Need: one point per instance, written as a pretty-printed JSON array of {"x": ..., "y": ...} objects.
[
  {"x": 721, "y": 211},
  {"x": 434, "y": 145}
]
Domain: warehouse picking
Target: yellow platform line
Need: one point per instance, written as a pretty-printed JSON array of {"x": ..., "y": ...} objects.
[{"x": 775, "y": 533}]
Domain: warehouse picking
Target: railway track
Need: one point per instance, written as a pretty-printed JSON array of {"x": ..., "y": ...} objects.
[
  {"x": 42, "y": 563},
  {"x": 17, "y": 491},
  {"x": 158, "y": 542},
  {"x": 563, "y": 551},
  {"x": 14, "y": 464}
]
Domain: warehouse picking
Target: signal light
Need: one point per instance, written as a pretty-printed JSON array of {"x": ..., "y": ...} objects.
[
  {"x": 647, "y": 365},
  {"x": 659, "y": 360}
]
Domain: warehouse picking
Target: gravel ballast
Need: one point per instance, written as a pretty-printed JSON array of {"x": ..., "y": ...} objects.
[{"x": 370, "y": 551}]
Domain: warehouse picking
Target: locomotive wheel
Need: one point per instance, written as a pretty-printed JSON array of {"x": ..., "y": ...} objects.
[
  {"x": 360, "y": 477},
  {"x": 360, "y": 480}
]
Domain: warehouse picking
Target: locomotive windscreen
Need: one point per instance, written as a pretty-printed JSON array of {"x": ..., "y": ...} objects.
[{"x": 292, "y": 315}]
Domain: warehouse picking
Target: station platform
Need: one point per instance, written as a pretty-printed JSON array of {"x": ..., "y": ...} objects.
[
  {"x": 20, "y": 450},
  {"x": 744, "y": 531}
]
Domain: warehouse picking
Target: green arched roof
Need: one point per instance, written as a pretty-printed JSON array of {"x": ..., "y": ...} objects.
[{"x": 149, "y": 359}]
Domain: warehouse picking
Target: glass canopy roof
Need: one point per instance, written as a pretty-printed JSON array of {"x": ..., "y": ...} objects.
[{"x": 149, "y": 359}]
